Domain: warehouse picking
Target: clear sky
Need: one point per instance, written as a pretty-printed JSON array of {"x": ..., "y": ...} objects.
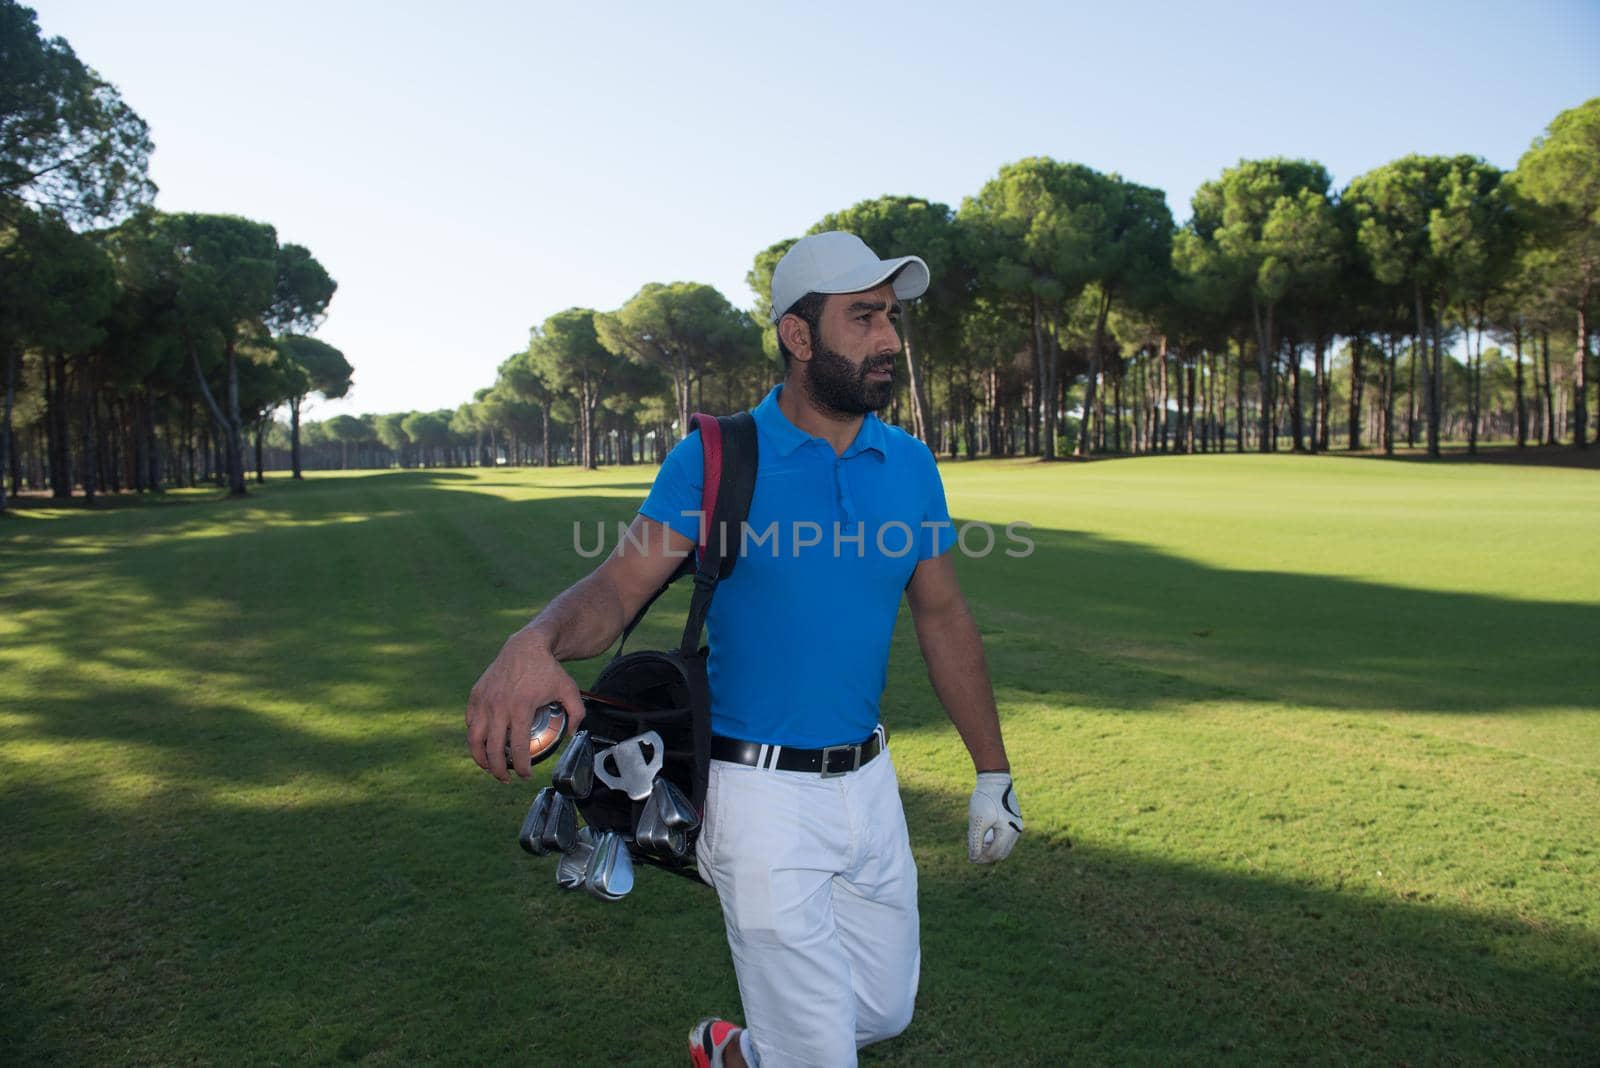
[{"x": 466, "y": 170}]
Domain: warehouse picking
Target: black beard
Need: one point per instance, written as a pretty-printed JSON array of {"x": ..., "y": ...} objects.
[{"x": 836, "y": 385}]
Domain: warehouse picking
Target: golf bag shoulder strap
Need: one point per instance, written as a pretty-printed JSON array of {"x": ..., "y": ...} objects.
[
  {"x": 731, "y": 458},
  {"x": 728, "y": 444}
]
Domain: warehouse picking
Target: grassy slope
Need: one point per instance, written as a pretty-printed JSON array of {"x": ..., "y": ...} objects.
[{"x": 1308, "y": 751}]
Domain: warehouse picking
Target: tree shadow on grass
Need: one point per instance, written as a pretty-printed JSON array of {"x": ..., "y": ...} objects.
[{"x": 408, "y": 589}]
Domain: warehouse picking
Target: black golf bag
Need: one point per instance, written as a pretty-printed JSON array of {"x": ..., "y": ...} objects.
[{"x": 666, "y": 691}]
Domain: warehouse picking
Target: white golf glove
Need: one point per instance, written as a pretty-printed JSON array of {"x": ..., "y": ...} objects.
[{"x": 993, "y": 819}]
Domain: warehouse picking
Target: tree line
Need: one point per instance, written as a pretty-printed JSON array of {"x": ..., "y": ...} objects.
[
  {"x": 140, "y": 348},
  {"x": 1070, "y": 313}
]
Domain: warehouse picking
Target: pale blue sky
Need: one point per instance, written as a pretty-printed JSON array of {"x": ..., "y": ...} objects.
[{"x": 467, "y": 170}]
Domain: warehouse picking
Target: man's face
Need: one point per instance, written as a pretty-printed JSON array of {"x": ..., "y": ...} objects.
[{"x": 851, "y": 370}]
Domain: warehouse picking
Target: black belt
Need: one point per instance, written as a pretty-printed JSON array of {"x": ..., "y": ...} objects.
[{"x": 828, "y": 761}]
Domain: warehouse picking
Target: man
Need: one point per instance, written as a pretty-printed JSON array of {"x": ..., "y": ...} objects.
[{"x": 804, "y": 837}]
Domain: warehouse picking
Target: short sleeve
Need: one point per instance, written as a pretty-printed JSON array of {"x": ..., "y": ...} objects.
[
  {"x": 938, "y": 533},
  {"x": 675, "y": 497}
]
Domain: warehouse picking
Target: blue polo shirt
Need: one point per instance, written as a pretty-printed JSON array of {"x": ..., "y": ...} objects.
[{"x": 799, "y": 634}]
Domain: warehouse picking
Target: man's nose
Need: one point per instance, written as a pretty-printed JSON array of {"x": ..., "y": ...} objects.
[{"x": 887, "y": 341}]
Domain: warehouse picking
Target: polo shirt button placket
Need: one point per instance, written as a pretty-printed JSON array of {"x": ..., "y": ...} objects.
[{"x": 842, "y": 488}]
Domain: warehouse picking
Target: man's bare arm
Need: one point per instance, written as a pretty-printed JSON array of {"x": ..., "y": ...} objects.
[
  {"x": 581, "y": 622},
  {"x": 953, "y": 651}
]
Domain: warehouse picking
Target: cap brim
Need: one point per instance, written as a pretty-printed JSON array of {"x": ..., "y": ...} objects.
[{"x": 910, "y": 276}]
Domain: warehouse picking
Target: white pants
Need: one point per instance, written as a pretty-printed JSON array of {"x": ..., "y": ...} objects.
[{"x": 819, "y": 895}]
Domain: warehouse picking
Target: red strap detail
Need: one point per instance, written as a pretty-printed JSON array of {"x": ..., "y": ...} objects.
[{"x": 711, "y": 446}]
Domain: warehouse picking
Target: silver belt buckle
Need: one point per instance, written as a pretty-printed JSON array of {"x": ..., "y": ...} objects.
[{"x": 829, "y": 750}]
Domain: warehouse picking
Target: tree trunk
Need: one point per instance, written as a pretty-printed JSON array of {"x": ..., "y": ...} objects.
[
  {"x": 919, "y": 405},
  {"x": 681, "y": 386},
  {"x": 1116, "y": 424},
  {"x": 58, "y": 429},
  {"x": 1474, "y": 382},
  {"x": 1550, "y": 435},
  {"x": 294, "y": 435},
  {"x": 217, "y": 415},
  {"x": 91, "y": 444},
  {"x": 153, "y": 480},
  {"x": 7, "y": 446},
  {"x": 1102, "y": 309},
  {"x": 1389, "y": 370},
  {"x": 586, "y": 405},
  {"x": 1580, "y": 388},
  {"x": 234, "y": 427},
  {"x": 1221, "y": 366},
  {"x": 1188, "y": 428},
  {"x": 1163, "y": 392},
  {"x": 260, "y": 472},
  {"x": 1044, "y": 397},
  {"x": 1421, "y": 352},
  {"x": 1411, "y": 396},
  {"x": 1320, "y": 383},
  {"x": 1436, "y": 386},
  {"x": 1353, "y": 438},
  {"x": 1264, "y": 359},
  {"x": 1296, "y": 405},
  {"x": 1238, "y": 396},
  {"x": 1213, "y": 437},
  {"x": 1522, "y": 404}
]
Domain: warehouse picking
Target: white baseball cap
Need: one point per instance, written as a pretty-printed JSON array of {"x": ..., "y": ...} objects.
[{"x": 837, "y": 262}]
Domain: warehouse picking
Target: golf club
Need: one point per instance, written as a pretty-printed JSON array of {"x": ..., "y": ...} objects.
[
  {"x": 677, "y": 813},
  {"x": 634, "y": 770},
  {"x": 572, "y": 867},
  {"x": 560, "y": 831},
  {"x": 544, "y": 733},
  {"x": 533, "y": 823},
  {"x": 652, "y": 834},
  {"x": 574, "y": 774},
  {"x": 610, "y": 872}
]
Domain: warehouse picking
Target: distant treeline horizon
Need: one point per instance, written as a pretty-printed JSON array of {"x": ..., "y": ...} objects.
[{"x": 1070, "y": 314}]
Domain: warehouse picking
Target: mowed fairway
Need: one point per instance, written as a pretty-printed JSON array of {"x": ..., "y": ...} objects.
[{"x": 1309, "y": 751}]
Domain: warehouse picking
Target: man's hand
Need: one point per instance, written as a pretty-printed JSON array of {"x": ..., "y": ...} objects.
[
  {"x": 582, "y": 622},
  {"x": 994, "y": 821},
  {"x": 522, "y": 679}
]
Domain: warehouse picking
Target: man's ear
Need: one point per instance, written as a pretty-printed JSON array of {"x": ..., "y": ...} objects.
[{"x": 796, "y": 335}]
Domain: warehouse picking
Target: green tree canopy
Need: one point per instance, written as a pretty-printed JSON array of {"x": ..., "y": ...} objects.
[
  {"x": 1561, "y": 174},
  {"x": 68, "y": 143},
  {"x": 686, "y": 329}
]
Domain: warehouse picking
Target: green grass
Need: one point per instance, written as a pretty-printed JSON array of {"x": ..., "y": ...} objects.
[{"x": 1308, "y": 749}]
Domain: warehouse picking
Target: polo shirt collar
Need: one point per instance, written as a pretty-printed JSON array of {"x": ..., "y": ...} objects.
[{"x": 771, "y": 421}]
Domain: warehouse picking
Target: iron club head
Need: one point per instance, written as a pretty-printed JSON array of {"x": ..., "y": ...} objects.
[
  {"x": 676, "y": 810},
  {"x": 572, "y": 867},
  {"x": 530, "y": 837},
  {"x": 610, "y": 872},
  {"x": 574, "y": 774},
  {"x": 636, "y": 761},
  {"x": 654, "y": 836},
  {"x": 560, "y": 831}
]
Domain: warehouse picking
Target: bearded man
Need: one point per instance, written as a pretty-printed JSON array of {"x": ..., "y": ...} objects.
[{"x": 804, "y": 837}]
